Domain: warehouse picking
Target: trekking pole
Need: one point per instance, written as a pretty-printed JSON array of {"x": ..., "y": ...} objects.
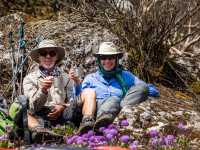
[
  {"x": 13, "y": 63},
  {"x": 21, "y": 51},
  {"x": 18, "y": 70}
]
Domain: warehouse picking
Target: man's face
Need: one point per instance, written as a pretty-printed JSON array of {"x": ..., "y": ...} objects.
[
  {"x": 108, "y": 62},
  {"x": 47, "y": 58}
]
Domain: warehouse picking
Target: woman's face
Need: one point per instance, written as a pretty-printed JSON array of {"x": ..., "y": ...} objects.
[
  {"x": 47, "y": 58},
  {"x": 108, "y": 62}
]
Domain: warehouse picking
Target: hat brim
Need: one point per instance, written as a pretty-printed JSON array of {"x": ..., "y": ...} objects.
[
  {"x": 34, "y": 54},
  {"x": 119, "y": 54}
]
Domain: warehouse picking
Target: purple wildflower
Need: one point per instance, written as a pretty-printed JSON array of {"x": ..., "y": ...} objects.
[
  {"x": 124, "y": 138},
  {"x": 79, "y": 138},
  {"x": 136, "y": 142},
  {"x": 169, "y": 139},
  {"x": 124, "y": 123},
  {"x": 102, "y": 129},
  {"x": 114, "y": 132},
  {"x": 80, "y": 141},
  {"x": 153, "y": 133},
  {"x": 74, "y": 137},
  {"x": 112, "y": 126},
  {"x": 181, "y": 126},
  {"x": 106, "y": 131},
  {"x": 100, "y": 138},
  {"x": 133, "y": 146},
  {"x": 154, "y": 141},
  {"x": 90, "y": 133},
  {"x": 109, "y": 136},
  {"x": 69, "y": 141},
  {"x": 85, "y": 135},
  {"x": 92, "y": 139}
]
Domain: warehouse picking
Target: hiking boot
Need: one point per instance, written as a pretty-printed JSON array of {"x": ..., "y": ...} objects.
[
  {"x": 103, "y": 121},
  {"x": 41, "y": 135},
  {"x": 86, "y": 124}
]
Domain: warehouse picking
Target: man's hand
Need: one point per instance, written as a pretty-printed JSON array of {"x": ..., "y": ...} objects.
[
  {"x": 56, "y": 112},
  {"x": 46, "y": 83}
]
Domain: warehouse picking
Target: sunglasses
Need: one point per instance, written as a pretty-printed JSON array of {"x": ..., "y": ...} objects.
[
  {"x": 109, "y": 57},
  {"x": 45, "y": 53}
]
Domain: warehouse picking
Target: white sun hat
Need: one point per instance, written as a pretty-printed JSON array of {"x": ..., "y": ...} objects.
[
  {"x": 50, "y": 45},
  {"x": 108, "y": 48}
]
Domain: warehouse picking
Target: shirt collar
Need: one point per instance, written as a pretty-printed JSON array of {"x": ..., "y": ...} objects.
[{"x": 101, "y": 79}]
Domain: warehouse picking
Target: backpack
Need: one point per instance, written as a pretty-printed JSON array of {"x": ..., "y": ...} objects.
[
  {"x": 18, "y": 113},
  {"x": 14, "y": 121}
]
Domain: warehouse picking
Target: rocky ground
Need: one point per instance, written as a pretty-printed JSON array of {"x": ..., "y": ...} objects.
[{"x": 164, "y": 113}]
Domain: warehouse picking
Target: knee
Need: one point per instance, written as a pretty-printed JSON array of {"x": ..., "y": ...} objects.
[
  {"x": 88, "y": 94},
  {"x": 135, "y": 95},
  {"x": 111, "y": 105},
  {"x": 140, "y": 88}
]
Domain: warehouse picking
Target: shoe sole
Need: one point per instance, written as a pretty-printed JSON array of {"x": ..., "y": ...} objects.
[
  {"x": 84, "y": 129},
  {"x": 104, "y": 122}
]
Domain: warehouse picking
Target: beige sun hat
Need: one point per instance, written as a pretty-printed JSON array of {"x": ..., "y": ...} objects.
[
  {"x": 108, "y": 48},
  {"x": 47, "y": 44}
]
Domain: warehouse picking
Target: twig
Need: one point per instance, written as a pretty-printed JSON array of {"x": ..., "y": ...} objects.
[{"x": 195, "y": 40}]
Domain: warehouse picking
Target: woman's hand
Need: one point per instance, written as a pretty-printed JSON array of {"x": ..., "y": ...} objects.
[
  {"x": 56, "y": 112},
  {"x": 74, "y": 76}
]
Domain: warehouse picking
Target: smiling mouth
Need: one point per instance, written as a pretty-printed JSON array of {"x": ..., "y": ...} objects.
[
  {"x": 108, "y": 65},
  {"x": 48, "y": 61}
]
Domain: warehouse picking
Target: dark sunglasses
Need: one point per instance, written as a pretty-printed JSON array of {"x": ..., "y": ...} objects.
[
  {"x": 109, "y": 57},
  {"x": 45, "y": 53}
]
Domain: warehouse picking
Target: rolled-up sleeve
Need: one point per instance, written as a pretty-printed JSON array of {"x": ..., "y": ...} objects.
[
  {"x": 36, "y": 97},
  {"x": 86, "y": 82}
]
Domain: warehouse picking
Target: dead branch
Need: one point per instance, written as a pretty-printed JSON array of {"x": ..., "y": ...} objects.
[{"x": 190, "y": 43}]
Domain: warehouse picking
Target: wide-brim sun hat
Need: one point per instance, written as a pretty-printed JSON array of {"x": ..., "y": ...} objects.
[
  {"x": 108, "y": 48},
  {"x": 50, "y": 45}
]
